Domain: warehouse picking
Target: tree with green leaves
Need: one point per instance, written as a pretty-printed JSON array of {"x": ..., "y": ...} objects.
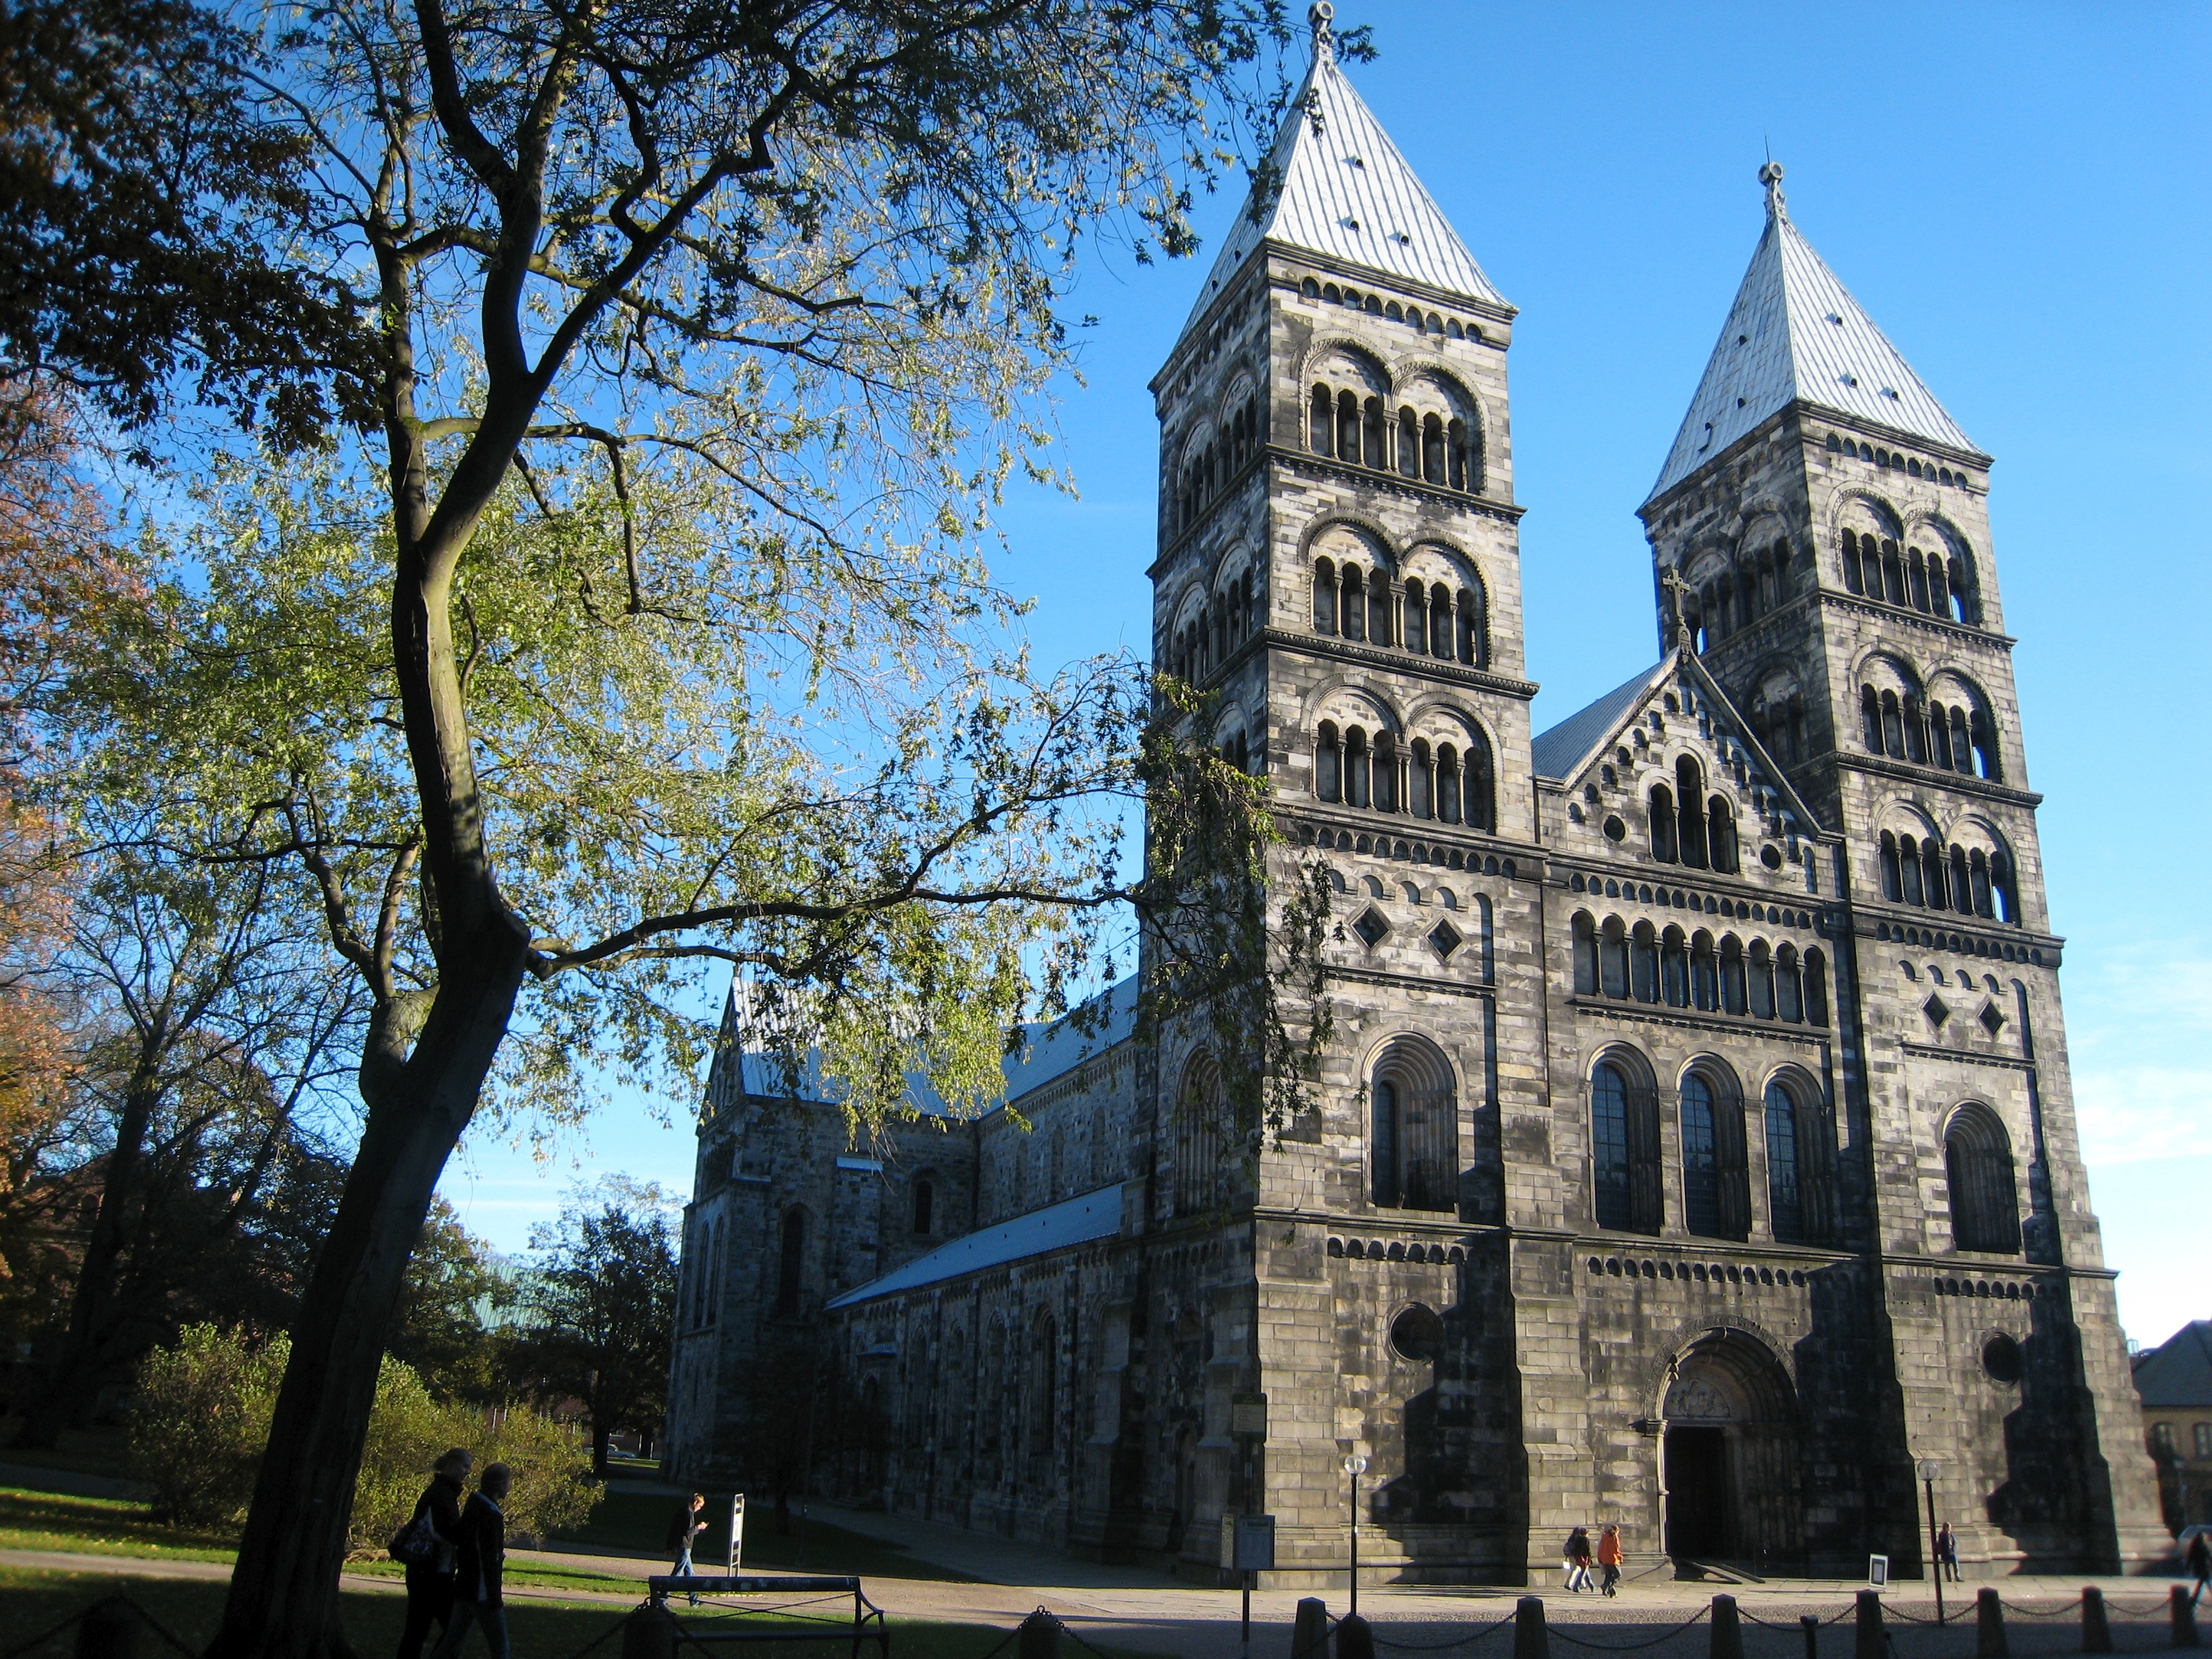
[
  {"x": 598, "y": 1303},
  {"x": 652, "y": 638}
]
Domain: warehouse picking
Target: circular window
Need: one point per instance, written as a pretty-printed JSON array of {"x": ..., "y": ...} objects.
[
  {"x": 1417, "y": 1333},
  {"x": 1615, "y": 830},
  {"x": 2002, "y": 1359},
  {"x": 1770, "y": 857}
]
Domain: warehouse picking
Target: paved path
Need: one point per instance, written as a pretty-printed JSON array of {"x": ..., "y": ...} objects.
[{"x": 1654, "y": 1616}]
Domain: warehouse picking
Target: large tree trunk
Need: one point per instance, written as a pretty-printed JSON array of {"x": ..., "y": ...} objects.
[
  {"x": 72, "y": 1384},
  {"x": 284, "y": 1592}
]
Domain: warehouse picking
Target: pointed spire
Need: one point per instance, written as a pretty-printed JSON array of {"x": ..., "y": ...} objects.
[
  {"x": 1342, "y": 191},
  {"x": 1795, "y": 334}
]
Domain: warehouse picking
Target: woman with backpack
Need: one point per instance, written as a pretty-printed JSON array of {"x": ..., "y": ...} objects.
[{"x": 425, "y": 1548}]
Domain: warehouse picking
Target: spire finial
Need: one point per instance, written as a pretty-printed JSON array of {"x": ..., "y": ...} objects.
[
  {"x": 1770, "y": 174},
  {"x": 1680, "y": 590},
  {"x": 1318, "y": 18}
]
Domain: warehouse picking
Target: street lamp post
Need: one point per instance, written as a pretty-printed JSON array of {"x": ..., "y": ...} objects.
[
  {"x": 1928, "y": 1469},
  {"x": 1355, "y": 1465}
]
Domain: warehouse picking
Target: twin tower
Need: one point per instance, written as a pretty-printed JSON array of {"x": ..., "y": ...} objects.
[{"x": 1695, "y": 1152}]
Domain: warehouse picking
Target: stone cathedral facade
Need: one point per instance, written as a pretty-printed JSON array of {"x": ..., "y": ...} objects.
[{"x": 1696, "y": 1152}]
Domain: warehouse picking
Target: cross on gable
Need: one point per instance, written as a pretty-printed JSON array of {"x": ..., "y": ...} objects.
[{"x": 1672, "y": 582}]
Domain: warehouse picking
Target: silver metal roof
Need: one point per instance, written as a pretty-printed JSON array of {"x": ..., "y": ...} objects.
[
  {"x": 1795, "y": 332},
  {"x": 1077, "y": 1221},
  {"x": 1348, "y": 195},
  {"x": 1562, "y": 752}
]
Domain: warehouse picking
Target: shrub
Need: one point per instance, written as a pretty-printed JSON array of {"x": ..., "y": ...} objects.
[{"x": 201, "y": 1421}]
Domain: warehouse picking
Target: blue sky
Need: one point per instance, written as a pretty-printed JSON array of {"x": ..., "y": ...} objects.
[{"x": 2018, "y": 195}]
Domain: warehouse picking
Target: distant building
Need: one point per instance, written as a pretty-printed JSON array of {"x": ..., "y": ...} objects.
[
  {"x": 1697, "y": 1151},
  {"x": 2175, "y": 1382}
]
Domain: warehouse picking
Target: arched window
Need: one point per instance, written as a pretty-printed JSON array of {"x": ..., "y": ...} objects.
[
  {"x": 1432, "y": 450},
  {"x": 1371, "y": 427},
  {"x": 1785, "y": 1196},
  {"x": 1347, "y": 427},
  {"x": 1962, "y": 882},
  {"x": 1624, "y": 1150},
  {"x": 925, "y": 1206},
  {"x": 1720, "y": 835},
  {"x": 1386, "y": 773},
  {"x": 1413, "y": 635},
  {"x": 1982, "y": 735},
  {"x": 1380, "y": 610},
  {"x": 1473, "y": 640},
  {"x": 1044, "y": 1376},
  {"x": 1356, "y": 768},
  {"x": 1984, "y": 1201},
  {"x": 1448, "y": 800},
  {"x": 1421, "y": 781},
  {"x": 1892, "y": 726},
  {"x": 1675, "y": 969},
  {"x": 1916, "y": 576},
  {"x": 1414, "y": 1152},
  {"x": 1320, "y": 424},
  {"x": 1816, "y": 988},
  {"x": 1354, "y": 618},
  {"x": 1199, "y": 1138},
  {"x": 1701, "y": 1163},
  {"x": 1456, "y": 449},
  {"x": 1852, "y": 580},
  {"x": 1613, "y": 958},
  {"x": 1965, "y": 590},
  {"x": 1705, "y": 973},
  {"x": 1440, "y": 622},
  {"x": 1893, "y": 573},
  {"x": 1479, "y": 786},
  {"x": 1869, "y": 720},
  {"x": 1979, "y": 873},
  {"x": 1761, "y": 980},
  {"x": 1732, "y": 976},
  {"x": 1644, "y": 962},
  {"x": 1328, "y": 763},
  {"x": 791, "y": 1258},
  {"x": 1916, "y": 731},
  {"x": 1908, "y": 866},
  {"x": 1409, "y": 444},
  {"x": 1663, "y": 826},
  {"x": 2000, "y": 886},
  {"x": 1585, "y": 936},
  {"x": 1689, "y": 783},
  {"x": 1893, "y": 875},
  {"x": 1789, "y": 988}
]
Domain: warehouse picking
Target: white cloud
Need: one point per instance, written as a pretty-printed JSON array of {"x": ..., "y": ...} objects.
[{"x": 2143, "y": 1072}]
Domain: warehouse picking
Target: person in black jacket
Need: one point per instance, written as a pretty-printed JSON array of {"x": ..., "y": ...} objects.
[
  {"x": 430, "y": 1584},
  {"x": 479, "y": 1562}
]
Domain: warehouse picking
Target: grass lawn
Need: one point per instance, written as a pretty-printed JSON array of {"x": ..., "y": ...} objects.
[
  {"x": 638, "y": 1521},
  {"x": 31, "y": 1602},
  {"x": 101, "y": 1526}
]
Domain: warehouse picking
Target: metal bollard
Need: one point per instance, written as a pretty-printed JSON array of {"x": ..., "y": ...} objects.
[
  {"x": 1531, "y": 1639},
  {"x": 1872, "y": 1642},
  {"x": 2096, "y": 1630},
  {"x": 2184, "y": 1617},
  {"x": 109, "y": 1631},
  {"x": 1728, "y": 1629},
  {"x": 1988, "y": 1624},
  {"x": 1354, "y": 1640},
  {"x": 1811, "y": 1626},
  {"x": 1040, "y": 1637},
  {"x": 649, "y": 1633},
  {"x": 1309, "y": 1634}
]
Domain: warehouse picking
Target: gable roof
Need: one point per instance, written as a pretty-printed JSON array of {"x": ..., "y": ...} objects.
[
  {"x": 1075, "y": 1221},
  {"x": 1795, "y": 334},
  {"x": 1047, "y": 1050},
  {"x": 1346, "y": 193},
  {"x": 1568, "y": 749},
  {"x": 1562, "y": 752},
  {"x": 2179, "y": 1371}
]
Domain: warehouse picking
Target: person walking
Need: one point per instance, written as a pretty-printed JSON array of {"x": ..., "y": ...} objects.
[
  {"x": 1609, "y": 1558},
  {"x": 430, "y": 1583},
  {"x": 685, "y": 1526},
  {"x": 1946, "y": 1551},
  {"x": 2199, "y": 1562},
  {"x": 479, "y": 1561},
  {"x": 1577, "y": 1552}
]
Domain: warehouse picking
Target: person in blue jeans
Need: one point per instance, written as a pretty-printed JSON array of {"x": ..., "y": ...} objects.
[
  {"x": 479, "y": 1560},
  {"x": 684, "y": 1527}
]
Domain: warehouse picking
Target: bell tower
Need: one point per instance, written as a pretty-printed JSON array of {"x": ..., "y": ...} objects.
[{"x": 1820, "y": 535}]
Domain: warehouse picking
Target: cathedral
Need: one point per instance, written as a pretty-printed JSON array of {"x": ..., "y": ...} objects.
[{"x": 1696, "y": 1150}]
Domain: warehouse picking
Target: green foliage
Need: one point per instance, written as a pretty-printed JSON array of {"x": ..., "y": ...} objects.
[
  {"x": 440, "y": 1331},
  {"x": 600, "y": 1306},
  {"x": 202, "y": 1416},
  {"x": 200, "y": 1420}
]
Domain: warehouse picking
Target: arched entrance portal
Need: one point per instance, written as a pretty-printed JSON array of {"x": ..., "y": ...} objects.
[{"x": 1729, "y": 1462}]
